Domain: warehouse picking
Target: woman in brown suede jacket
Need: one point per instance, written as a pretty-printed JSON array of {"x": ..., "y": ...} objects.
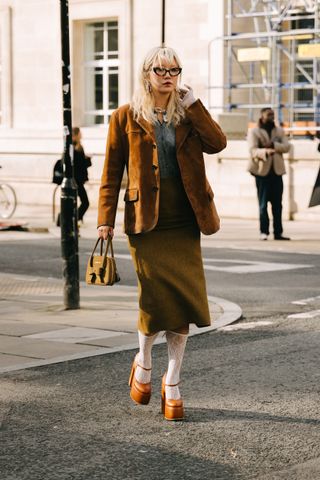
[{"x": 160, "y": 139}]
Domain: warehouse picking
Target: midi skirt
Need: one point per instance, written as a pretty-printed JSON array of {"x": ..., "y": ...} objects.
[{"x": 169, "y": 268}]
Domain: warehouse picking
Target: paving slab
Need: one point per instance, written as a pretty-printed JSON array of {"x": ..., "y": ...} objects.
[
  {"x": 7, "y": 360},
  {"x": 37, "y": 348},
  {"x": 18, "y": 328},
  {"x": 74, "y": 335},
  {"x": 115, "y": 341}
]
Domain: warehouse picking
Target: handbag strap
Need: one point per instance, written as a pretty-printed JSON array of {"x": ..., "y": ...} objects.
[{"x": 108, "y": 244}]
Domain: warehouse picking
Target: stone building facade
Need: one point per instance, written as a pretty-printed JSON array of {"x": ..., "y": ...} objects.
[{"x": 108, "y": 41}]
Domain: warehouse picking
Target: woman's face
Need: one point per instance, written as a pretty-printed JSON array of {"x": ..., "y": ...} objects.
[{"x": 163, "y": 84}]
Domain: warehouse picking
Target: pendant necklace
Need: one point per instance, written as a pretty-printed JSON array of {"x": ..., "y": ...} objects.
[{"x": 162, "y": 111}]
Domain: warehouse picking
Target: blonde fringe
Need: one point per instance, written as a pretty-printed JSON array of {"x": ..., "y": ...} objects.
[{"x": 142, "y": 102}]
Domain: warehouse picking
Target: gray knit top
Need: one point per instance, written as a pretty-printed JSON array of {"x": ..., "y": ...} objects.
[{"x": 166, "y": 144}]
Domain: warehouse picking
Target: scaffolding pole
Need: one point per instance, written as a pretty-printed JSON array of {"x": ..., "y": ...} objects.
[{"x": 279, "y": 80}]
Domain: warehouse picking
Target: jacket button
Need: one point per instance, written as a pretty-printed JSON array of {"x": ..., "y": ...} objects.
[
  {"x": 154, "y": 167},
  {"x": 155, "y": 189},
  {"x": 154, "y": 145}
]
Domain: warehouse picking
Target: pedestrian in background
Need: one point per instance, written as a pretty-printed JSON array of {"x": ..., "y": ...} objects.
[
  {"x": 160, "y": 138},
  {"x": 267, "y": 143},
  {"x": 315, "y": 195},
  {"x": 81, "y": 164}
]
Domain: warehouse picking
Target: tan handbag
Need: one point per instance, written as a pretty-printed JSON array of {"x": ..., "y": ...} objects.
[{"x": 101, "y": 269}]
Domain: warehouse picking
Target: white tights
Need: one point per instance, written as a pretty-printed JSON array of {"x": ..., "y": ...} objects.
[
  {"x": 143, "y": 358},
  {"x": 176, "y": 346}
]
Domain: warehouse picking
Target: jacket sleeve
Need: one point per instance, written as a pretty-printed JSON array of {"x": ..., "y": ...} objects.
[
  {"x": 112, "y": 174},
  {"x": 213, "y": 139},
  {"x": 256, "y": 152},
  {"x": 282, "y": 146}
]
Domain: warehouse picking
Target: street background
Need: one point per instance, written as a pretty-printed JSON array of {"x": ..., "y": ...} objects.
[
  {"x": 251, "y": 388},
  {"x": 250, "y": 383}
]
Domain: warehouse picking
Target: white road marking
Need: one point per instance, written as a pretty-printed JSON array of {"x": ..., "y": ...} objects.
[
  {"x": 246, "y": 266},
  {"x": 117, "y": 255},
  {"x": 123, "y": 255},
  {"x": 305, "y": 301},
  {"x": 249, "y": 266},
  {"x": 245, "y": 326},
  {"x": 310, "y": 314}
]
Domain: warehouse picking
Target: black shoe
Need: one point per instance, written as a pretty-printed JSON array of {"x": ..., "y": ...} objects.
[{"x": 280, "y": 237}]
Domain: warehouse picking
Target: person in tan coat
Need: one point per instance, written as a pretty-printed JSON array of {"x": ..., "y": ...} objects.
[
  {"x": 159, "y": 138},
  {"x": 267, "y": 143}
]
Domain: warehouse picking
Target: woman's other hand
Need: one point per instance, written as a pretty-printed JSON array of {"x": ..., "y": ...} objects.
[
  {"x": 104, "y": 231},
  {"x": 186, "y": 95}
]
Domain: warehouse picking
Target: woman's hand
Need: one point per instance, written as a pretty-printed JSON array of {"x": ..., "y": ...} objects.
[
  {"x": 186, "y": 95},
  {"x": 104, "y": 231},
  {"x": 270, "y": 151}
]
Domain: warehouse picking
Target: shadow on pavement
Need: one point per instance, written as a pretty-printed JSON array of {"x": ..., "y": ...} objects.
[{"x": 199, "y": 415}]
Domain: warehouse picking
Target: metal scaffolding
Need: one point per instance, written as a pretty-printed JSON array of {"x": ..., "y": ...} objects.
[{"x": 272, "y": 58}]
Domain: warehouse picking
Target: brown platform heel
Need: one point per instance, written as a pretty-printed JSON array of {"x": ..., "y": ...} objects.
[
  {"x": 140, "y": 392},
  {"x": 172, "y": 409}
]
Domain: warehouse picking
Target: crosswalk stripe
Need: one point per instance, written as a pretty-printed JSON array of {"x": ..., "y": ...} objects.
[
  {"x": 249, "y": 266},
  {"x": 310, "y": 314},
  {"x": 305, "y": 301}
]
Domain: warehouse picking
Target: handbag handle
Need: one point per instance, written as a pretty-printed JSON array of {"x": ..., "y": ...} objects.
[{"x": 109, "y": 244}]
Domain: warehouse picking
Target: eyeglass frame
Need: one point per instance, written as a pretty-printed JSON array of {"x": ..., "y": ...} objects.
[{"x": 167, "y": 70}]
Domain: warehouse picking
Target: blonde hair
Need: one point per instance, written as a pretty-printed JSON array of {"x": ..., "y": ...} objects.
[{"x": 142, "y": 102}]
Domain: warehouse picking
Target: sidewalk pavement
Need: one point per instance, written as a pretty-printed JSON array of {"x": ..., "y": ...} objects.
[
  {"x": 36, "y": 330},
  {"x": 234, "y": 233}
]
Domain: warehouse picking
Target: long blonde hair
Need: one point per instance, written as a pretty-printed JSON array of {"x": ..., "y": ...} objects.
[{"x": 142, "y": 102}]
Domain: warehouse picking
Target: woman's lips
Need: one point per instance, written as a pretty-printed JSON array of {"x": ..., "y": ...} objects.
[{"x": 167, "y": 83}]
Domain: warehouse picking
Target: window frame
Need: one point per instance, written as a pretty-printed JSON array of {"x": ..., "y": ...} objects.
[
  {"x": 5, "y": 68},
  {"x": 107, "y": 65}
]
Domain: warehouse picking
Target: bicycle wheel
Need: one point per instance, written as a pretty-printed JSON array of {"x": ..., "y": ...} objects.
[{"x": 8, "y": 201}]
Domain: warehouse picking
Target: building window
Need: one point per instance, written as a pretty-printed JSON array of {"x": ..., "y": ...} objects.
[
  {"x": 101, "y": 71},
  {"x": 1, "y": 107},
  {"x": 5, "y": 66}
]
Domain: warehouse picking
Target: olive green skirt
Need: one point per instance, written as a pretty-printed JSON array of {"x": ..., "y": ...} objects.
[{"x": 168, "y": 263}]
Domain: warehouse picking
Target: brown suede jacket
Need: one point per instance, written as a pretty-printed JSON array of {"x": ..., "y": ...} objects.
[{"x": 132, "y": 144}]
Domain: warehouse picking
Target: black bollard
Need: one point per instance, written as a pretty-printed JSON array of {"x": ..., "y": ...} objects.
[
  {"x": 163, "y": 24},
  {"x": 68, "y": 216}
]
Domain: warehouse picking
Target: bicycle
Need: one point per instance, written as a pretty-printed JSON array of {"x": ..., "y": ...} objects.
[{"x": 8, "y": 200}]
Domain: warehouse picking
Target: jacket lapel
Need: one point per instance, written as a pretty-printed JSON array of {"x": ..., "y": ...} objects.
[
  {"x": 264, "y": 135},
  {"x": 147, "y": 127}
]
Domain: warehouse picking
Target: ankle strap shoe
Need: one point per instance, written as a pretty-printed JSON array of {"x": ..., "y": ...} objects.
[
  {"x": 140, "y": 392},
  {"x": 172, "y": 409}
]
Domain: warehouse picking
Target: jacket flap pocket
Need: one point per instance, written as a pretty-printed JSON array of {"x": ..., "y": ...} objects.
[
  {"x": 131, "y": 195},
  {"x": 136, "y": 130}
]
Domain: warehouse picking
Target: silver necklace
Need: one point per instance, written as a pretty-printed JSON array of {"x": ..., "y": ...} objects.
[{"x": 162, "y": 111}]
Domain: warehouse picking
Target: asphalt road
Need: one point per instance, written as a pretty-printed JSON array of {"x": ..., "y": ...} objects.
[
  {"x": 259, "y": 292},
  {"x": 251, "y": 395},
  {"x": 252, "y": 406}
]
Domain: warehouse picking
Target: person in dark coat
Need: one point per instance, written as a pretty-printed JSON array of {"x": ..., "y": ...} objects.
[
  {"x": 315, "y": 196},
  {"x": 81, "y": 164}
]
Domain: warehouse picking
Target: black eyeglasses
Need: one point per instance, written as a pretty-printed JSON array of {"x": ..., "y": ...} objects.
[{"x": 161, "y": 72}]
